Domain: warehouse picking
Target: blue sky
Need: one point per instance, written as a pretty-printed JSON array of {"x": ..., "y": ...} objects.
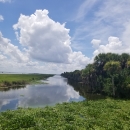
[{"x": 57, "y": 36}]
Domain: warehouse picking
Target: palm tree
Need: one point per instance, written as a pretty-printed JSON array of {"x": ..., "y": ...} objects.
[
  {"x": 100, "y": 60},
  {"x": 124, "y": 58},
  {"x": 112, "y": 67},
  {"x": 128, "y": 64}
]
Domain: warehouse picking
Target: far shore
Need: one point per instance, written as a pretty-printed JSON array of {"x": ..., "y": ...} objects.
[{"x": 21, "y": 80}]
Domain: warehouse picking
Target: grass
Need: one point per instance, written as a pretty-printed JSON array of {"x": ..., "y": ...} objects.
[
  {"x": 9, "y": 80},
  {"x": 106, "y": 114}
]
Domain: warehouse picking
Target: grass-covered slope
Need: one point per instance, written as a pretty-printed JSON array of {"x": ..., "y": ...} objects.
[{"x": 105, "y": 114}]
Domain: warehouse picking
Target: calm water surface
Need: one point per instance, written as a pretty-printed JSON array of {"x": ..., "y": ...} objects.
[{"x": 56, "y": 90}]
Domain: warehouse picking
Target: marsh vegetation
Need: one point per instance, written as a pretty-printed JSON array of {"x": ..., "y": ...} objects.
[
  {"x": 105, "y": 114},
  {"x": 15, "y": 80}
]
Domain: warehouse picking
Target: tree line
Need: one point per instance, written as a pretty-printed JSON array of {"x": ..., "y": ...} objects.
[{"x": 109, "y": 74}]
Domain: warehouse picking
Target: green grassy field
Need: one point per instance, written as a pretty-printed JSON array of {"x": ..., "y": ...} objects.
[
  {"x": 105, "y": 114},
  {"x": 7, "y": 80}
]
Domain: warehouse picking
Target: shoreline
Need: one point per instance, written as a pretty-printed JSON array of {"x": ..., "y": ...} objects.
[{"x": 20, "y": 80}]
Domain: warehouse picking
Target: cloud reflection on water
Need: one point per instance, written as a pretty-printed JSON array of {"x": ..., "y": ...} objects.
[{"x": 56, "y": 91}]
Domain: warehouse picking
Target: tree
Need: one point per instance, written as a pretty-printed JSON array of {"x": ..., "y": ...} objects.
[
  {"x": 112, "y": 67},
  {"x": 128, "y": 64},
  {"x": 124, "y": 58},
  {"x": 88, "y": 75},
  {"x": 109, "y": 71}
]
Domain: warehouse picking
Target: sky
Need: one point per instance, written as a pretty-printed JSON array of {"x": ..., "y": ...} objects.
[{"x": 55, "y": 36}]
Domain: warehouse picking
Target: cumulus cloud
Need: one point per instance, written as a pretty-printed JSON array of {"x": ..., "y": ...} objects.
[
  {"x": 1, "y": 18},
  {"x": 46, "y": 47},
  {"x": 46, "y": 40},
  {"x": 8, "y": 49},
  {"x": 78, "y": 58},
  {"x": 96, "y": 43},
  {"x": 15, "y": 60},
  {"x": 2, "y": 57},
  {"x": 114, "y": 45}
]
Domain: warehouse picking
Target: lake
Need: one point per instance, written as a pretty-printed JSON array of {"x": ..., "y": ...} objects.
[{"x": 55, "y": 90}]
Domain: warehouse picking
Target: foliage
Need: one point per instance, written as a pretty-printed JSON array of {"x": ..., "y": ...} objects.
[
  {"x": 112, "y": 66},
  {"x": 105, "y": 114},
  {"x": 11, "y": 80},
  {"x": 96, "y": 76}
]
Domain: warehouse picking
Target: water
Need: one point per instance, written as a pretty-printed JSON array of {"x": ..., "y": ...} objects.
[{"x": 56, "y": 90}]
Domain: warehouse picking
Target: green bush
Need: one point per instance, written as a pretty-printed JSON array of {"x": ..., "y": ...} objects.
[{"x": 105, "y": 114}]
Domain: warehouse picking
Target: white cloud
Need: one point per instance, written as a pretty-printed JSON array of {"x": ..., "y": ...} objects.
[
  {"x": 46, "y": 47},
  {"x": 8, "y": 49},
  {"x": 1, "y": 18},
  {"x": 114, "y": 45},
  {"x": 15, "y": 60},
  {"x": 78, "y": 59},
  {"x": 12, "y": 58},
  {"x": 46, "y": 40},
  {"x": 95, "y": 43},
  {"x": 2, "y": 57}
]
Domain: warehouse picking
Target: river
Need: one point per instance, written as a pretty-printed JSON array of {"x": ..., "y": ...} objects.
[{"x": 55, "y": 90}]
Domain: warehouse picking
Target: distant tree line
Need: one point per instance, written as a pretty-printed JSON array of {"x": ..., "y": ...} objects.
[{"x": 109, "y": 74}]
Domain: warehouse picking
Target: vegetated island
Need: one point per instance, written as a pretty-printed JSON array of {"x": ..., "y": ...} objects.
[
  {"x": 17, "y": 80},
  {"x": 109, "y": 75}
]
